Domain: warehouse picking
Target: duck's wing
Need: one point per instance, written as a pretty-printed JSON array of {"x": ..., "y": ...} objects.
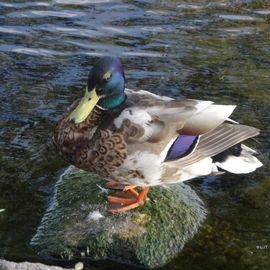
[
  {"x": 190, "y": 129},
  {"x": 215, "y": 142},
  {"x": 178, "y": 138},
  {"x": 152, "y": 118}
]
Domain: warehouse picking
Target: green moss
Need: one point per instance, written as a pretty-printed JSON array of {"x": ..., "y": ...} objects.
[{"x": 150, "y": 235}]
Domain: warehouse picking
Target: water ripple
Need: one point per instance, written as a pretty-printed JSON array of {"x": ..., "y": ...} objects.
[
  {"x": 16, "y": 30},
  {"x": 29, "y": 51},
  {"x": 133, "y": 31},
  {"x": 144, "y": 54},
  {"x": 24, "y": 5},
  {"x": 262, "y": 12},
  {"x": 76, "y": 31},
  {"x": 81, "y": 2},
  {"x": 190, "y": 7},
  {"x": 238, "y": 31},
  {"x": 232, "y": 17},
  {"x": 95, "y": 46},
  {"x": 46, "y": 13}
]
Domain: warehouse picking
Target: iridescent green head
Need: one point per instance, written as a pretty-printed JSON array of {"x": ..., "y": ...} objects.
[
  {"x": 107, "y": 77},
  {"x": 105, "y": 88}
]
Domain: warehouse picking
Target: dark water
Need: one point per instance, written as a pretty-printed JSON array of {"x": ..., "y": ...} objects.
[{"x": 218, "y": 51}]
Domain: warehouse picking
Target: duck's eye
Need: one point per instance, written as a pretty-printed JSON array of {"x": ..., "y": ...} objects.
[{"x": 107, "y": 76}]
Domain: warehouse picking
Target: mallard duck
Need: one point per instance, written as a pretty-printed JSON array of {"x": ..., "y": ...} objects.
[{"x": 137, "y": 139}]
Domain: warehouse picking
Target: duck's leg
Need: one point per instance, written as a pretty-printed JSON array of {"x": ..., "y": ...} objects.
[
  {"x": 127, "y": 199},
  {"x": 118, "y": 186},
  {"x": 114, "y": 185}
]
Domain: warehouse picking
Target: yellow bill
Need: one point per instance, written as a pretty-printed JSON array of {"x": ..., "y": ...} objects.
[{"x": 85, "y": 106}]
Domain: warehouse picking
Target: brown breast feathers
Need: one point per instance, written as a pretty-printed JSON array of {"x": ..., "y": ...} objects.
[{"x": 92, "y": 145}]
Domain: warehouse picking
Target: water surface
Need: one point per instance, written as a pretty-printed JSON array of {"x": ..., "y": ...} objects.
[{"x": 216, "y": 50}]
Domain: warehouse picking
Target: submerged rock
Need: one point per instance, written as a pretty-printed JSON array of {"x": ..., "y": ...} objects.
[
  {"x": 7, "y": 265},
  {"x": 77, "y": 224}
]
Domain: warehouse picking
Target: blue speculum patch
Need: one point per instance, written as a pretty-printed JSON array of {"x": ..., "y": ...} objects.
[{"x": 182, "y": 146}]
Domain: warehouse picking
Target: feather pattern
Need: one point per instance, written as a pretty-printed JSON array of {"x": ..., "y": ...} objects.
[{"x": 217, "y": 141}]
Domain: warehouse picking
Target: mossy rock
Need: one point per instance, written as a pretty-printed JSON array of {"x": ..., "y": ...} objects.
[{"x": 78, "y": 225}]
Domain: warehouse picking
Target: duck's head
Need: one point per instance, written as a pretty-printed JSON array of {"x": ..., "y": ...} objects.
[{"x": 105, "y": 88}]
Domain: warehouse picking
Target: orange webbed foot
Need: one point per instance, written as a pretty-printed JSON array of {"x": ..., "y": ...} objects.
[{"x": 127, "y": 199}]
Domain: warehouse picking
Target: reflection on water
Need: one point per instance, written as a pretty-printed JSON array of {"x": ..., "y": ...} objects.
[{"x": 218, "y": 51}]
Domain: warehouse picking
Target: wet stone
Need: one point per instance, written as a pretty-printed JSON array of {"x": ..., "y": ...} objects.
[
  {"x": 8, "y": 265},
  {"x": 78, "y": 226}
]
